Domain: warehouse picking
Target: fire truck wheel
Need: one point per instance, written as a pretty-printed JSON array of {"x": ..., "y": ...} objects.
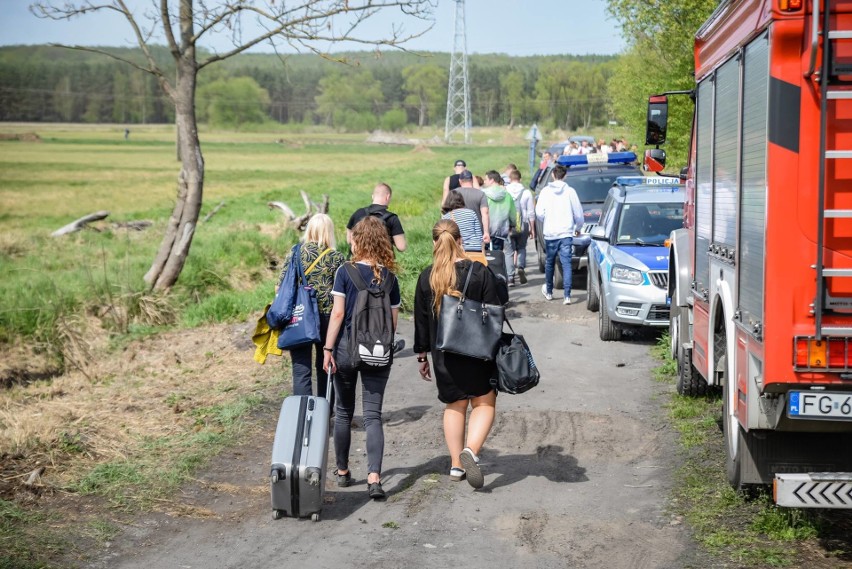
[
  {"x": 607, "y": 329},
  {"x": 689, "y": 381},
  {"x": 592, "y": 298},
  {"x": 737, "y": 441},
  {"x": 674, "y": 334}
]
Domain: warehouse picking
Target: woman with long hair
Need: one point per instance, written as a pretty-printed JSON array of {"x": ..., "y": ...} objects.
[
  {"x": 463, "y": 382},
  {"x": 319, "y": 262},
  {"x": 372, "y": 257}
]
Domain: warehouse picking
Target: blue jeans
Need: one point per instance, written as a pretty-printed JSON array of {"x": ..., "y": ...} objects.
[{"x": 562, "y": 247}]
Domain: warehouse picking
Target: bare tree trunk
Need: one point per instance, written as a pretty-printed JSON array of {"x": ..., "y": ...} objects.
[
  {"x": 422, "y": 120},
  {"x": 174, "y": 248}
]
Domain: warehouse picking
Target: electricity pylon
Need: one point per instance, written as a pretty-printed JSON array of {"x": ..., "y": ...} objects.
[{"x": 458, "y": 93}]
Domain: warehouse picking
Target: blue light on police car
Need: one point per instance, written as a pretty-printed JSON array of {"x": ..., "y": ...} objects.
[{"x": 598, "y": 158}]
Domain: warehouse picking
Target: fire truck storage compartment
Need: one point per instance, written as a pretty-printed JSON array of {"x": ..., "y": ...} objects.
[
  {"x": 703, "y": 181},
  {"x": 725, "y": 159},
  {"x": 753, "y": 186}
]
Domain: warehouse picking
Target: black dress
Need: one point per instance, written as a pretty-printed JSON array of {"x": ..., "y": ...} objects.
[{"x": 457, "y": 377}]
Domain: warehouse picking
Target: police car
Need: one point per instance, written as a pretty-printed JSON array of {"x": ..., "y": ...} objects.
[
  {"x": 591, "y": 176},
  {"x": 627, "y": 280}
]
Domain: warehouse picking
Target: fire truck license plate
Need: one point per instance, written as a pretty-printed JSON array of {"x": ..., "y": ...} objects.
[{"x": 819, "y": 405}]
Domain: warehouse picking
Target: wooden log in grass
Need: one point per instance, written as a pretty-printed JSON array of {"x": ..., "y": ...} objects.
[
  {"x": 311, "y": 208},
  {"x": 80, "y": 223}
]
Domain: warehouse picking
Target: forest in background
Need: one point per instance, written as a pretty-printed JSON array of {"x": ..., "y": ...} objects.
[{"x": 388, "y": 90}]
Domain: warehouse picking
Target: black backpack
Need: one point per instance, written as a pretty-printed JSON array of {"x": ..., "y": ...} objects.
[
  {"x": 370, "y": 334},
  {"x": 385, "y": 216}
]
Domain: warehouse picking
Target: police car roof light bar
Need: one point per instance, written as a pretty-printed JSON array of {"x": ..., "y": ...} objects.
[{"x": 598, "y": 158}]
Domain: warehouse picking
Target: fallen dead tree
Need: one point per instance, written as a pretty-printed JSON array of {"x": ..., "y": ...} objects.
[
  {"x": 139, "y": 225},
  {"x": 79, "y": 224},
  {"x": 311, "y": 208}
]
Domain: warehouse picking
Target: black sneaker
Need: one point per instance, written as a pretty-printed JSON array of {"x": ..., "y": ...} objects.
[
  {"x": 343, "y": 480},
  {"x": 375, "y": 491},
  {"x": 398, "y": 345}
]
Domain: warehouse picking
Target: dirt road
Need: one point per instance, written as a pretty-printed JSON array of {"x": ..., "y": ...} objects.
[{"x": 577, "y": 474}]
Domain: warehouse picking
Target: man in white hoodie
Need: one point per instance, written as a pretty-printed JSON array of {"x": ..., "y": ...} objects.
[{"x": 561, "y": 214}]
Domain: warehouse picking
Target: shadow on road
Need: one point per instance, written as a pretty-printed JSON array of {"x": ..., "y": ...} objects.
[
  {"x": 548, "y": 461},
  {"x": 405, "y": 415}
]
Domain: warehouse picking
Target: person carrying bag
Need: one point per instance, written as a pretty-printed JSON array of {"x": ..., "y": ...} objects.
[
  {"x": 463, "y": 381},
  {"x": 320, "y": 261}
]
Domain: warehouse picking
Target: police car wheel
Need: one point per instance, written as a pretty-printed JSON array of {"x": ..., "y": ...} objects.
[{"x": 592, "y": 298}]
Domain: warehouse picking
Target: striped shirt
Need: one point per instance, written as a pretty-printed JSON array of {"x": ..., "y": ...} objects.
[{"x": 469, "y": 226}]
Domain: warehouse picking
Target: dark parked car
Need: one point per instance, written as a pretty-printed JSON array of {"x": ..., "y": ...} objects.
[{"x": 591, "y": 176}]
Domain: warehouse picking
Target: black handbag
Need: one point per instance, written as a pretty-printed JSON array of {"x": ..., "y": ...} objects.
[
  {"x": 467, "y": 327},
  {"x": 516, "y": 369}
]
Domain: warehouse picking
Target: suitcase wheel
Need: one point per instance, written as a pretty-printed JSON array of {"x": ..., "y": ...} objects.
[
  {"x": 277, "y": 514},
  {"x": 315, "y": 517}
]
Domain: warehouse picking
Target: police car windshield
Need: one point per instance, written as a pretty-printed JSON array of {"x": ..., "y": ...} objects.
[
  {"x": 592, "y": 187},
  {"x": 648, "y": 223}
]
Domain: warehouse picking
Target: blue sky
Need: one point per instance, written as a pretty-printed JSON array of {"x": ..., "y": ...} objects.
[{"x": 514, "y": 27}]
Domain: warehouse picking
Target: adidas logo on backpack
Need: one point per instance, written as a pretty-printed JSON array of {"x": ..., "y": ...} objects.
[{"x": 370, "y": 333}]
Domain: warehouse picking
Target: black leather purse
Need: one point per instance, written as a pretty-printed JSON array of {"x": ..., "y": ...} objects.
[{"x": 467, "y": 327}]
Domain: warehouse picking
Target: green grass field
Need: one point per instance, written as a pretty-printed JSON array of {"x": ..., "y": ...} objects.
[{"x": 76, "y": 170}]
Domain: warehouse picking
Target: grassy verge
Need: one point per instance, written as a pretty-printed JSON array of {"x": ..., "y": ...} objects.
[
  {"x": 744, "y": 532},
  {"x": 144, "y": 388},
  {"x": 51, "y": 283}
]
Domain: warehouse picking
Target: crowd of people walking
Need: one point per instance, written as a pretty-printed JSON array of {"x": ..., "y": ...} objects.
[{"x": 479, "y": 251}]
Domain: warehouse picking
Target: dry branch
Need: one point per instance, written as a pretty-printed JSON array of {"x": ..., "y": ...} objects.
[
  {"x": 285, "y": 209},
  {"x": 139, "y": 225},
  {"x": 80, "y": 223},
  {"x": 215, "y": 209},
  {"x": 311, "y": 208}
]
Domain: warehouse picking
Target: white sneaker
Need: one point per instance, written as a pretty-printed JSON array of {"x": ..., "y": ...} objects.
[
  {"x": 546, "y": 294},
  {"x": 567, "y": 300},
  {"x": 473, "y": 473}
]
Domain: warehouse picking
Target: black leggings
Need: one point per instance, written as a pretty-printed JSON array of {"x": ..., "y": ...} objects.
[{"x": 373, "y": 383}]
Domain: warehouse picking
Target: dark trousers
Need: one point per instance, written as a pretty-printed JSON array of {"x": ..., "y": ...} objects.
[
  {"x": 304, "y": 358},
  {"x": 373, "y": 383}
]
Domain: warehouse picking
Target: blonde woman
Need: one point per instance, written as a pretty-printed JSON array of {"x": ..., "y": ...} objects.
[
  {"x": 318, "y": 255},
  {"x": 462, "y": 382},
  {"x": 373, "y": 258}
]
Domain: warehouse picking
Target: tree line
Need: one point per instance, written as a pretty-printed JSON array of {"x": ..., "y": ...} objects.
[{"x": 389, "y": 91}]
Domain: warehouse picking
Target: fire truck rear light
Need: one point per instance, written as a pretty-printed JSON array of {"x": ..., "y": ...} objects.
[
  {"x": 789, "y": 5},
  {"x": 817, "y": 353},
  {"x": 828, "y": 354}
]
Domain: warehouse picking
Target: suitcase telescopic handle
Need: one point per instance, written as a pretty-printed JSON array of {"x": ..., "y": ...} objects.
[
  {"x": 329, "y": 386},
  {"x": 308, "y": 429}
]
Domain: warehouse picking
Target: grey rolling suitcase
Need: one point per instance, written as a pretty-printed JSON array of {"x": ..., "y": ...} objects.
[{"x": 300, "y": 456}]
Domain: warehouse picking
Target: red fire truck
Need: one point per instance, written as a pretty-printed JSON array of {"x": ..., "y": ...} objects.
[{"x": 760, "y": 279}]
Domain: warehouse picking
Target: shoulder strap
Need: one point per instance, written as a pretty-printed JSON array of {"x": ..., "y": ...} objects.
[
  {"x": 296, "y": 262},
  {"x": 467, "y": 281},
  {"x": 355, "y": 275},
  {"x": 317, "y": 260}
]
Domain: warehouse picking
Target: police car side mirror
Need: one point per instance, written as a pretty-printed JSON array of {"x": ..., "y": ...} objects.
[{"x": 598, "y": 233}]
